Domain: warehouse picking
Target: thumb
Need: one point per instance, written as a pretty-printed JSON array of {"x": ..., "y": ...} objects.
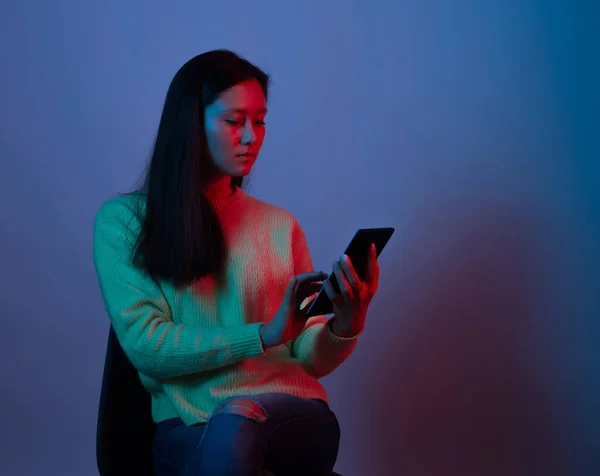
[{"x": 290, "y": 294}]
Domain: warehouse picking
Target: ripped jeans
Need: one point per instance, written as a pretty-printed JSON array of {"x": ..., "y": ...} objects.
[{"x": 284, "y": 434}]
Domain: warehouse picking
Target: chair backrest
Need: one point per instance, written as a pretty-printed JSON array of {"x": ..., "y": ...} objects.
[{"x": 125, "y": 428}]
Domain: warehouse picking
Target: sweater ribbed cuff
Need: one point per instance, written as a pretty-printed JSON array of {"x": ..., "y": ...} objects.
[
  {"x": 330, "y": 327},
  {"x": 322, "y": 349},
  {"x": 245, "y": 341}
]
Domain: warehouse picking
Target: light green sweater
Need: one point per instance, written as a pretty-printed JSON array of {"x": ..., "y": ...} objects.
[{"x": 197, "y": 346}]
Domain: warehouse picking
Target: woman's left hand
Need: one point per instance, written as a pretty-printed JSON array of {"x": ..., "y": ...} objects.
[{"x": 351, "y": 304}]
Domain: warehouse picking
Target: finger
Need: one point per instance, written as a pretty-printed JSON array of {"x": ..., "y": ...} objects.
[
  {"x": 334, "y": 297},
  {"x": 307, "y": 289},
  {"x": 309, "y": 286},
  {"x": 311, "y": 276},
  {"x": 315, "y": 287},
  {"x": 305, "y": 279},
  {"x": 290, "y": 293},
  {"x": 329, "y": 290},
  {"x": 372, "y": 275},
  {"x": 350, "y": 273},
  {"x": 345, "y": 288},
  {"x": 307, "y": 300}
]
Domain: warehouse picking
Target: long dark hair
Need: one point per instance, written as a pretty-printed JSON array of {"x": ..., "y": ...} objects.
[{"x": 181, "y": 239}]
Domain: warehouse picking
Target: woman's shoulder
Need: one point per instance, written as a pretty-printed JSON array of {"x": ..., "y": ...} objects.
[
  {"x": 277, "y": 213},
  {"x": 122, "y": 208}
]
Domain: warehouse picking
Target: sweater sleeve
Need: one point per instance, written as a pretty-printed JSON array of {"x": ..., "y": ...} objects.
[
  {"x": 140, "y": 314},
  {"x": 316, "y": 345}
]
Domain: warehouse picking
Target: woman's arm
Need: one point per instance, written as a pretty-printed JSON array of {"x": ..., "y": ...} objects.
[
  {"x": 316, "y": 345},
  {"x": 140, "y": 314}
]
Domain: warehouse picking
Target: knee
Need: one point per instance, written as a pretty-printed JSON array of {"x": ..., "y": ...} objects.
[
  {"x": 242, "y": 406},
  {"x": 234, "y": 440}
]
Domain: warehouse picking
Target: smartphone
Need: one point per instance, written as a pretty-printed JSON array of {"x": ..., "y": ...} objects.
[{"x": 358, "y": 252}]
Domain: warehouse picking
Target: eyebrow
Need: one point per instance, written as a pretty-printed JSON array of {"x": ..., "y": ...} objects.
[{"x": 243, "y": 111}]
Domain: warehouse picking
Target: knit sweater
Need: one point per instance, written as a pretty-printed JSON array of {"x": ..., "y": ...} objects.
[{"x": 196, "y": 346}]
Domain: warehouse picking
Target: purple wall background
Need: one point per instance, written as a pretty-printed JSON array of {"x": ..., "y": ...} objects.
[{"x": 470, "y": 126}]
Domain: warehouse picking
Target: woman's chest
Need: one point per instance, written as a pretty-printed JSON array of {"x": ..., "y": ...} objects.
[{"x": 251, "y": 289}]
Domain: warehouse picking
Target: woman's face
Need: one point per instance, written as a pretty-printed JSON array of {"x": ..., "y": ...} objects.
[{"x": 235, "y": 128}]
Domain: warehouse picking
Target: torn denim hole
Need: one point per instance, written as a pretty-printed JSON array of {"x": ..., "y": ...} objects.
[{"x": 243, "y": 406}]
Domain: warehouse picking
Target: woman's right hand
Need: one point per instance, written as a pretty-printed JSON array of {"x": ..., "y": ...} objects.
[{"x": 289, "y": 319}]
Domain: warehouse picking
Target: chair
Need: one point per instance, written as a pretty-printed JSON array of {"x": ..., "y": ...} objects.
[{"x": 125, "y": 428}]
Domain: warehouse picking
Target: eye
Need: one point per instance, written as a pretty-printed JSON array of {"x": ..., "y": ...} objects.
[{"x": 233, "y": 122}]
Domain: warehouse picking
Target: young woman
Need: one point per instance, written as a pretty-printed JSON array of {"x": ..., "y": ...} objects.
[{"x": 205, "y": 288}]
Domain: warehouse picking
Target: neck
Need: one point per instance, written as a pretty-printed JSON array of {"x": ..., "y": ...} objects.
[{"x": 218, "y": 189}]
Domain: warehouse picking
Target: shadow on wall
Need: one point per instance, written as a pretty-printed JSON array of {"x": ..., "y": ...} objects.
[{"x": 455, "y": 392}]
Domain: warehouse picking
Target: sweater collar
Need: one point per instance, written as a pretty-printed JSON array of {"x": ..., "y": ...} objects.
[{"x": 232, "y": 200}]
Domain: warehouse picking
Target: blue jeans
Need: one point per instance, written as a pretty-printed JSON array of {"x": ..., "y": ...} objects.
[{"x": 286, "y": 435}]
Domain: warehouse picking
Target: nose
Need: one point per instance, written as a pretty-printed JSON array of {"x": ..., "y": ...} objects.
[{"x": 249, "y": 137}]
